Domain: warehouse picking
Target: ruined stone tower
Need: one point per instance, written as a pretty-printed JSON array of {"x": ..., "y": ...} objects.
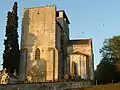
[
  {"x": 45, "y": 35},
  {"x": 47, "y": 53}
]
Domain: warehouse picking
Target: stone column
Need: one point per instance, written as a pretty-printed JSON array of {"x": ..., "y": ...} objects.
[
  {"x": 68, "y": 65},
  {"x": 55, "y": 64},
  {"x": 91, "y": 67},
  {"x": 23, "y": 62},
  {"x": 83, "y": 66},
  {"x": 87, "y": 68},
  {"x": 79, "y": 66},
  {"x": 50, "y": 64}
]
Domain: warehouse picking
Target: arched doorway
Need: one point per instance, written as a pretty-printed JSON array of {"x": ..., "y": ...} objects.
[{"x": 74, "y": 68}]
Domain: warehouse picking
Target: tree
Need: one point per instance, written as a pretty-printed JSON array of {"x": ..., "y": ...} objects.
[
  {"x": 6, "y": 54},
  {"x": 109, "y": 67},
  {"x": 105, "y": 73},
  {"x": 11, "y": 56},
  {"x": 115, "y": 50}
]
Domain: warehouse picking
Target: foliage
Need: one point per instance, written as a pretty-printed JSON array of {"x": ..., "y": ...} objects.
[
  {"x": 11, "y": 52},
  {"x": 109, "y": 67},
  {"x": 105, "y": 73}
]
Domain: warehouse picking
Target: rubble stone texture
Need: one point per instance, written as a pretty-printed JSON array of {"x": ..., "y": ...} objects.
[
  {"x": 44, "y": 42},
  {"x": 82, "y": 56}
]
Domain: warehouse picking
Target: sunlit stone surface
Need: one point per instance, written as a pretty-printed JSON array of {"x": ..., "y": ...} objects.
[{"x": 47, "y": 54}]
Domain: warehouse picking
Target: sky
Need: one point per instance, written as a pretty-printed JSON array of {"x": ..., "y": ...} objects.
[{"x": 96, "y": 19}]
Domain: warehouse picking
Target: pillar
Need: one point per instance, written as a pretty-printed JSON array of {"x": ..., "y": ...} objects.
[{"x": 23, "y": 62}]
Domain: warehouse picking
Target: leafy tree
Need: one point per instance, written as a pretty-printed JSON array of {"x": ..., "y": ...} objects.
[
  {"x": 109, "y": 67},
  {"x": 115, "y": 50},
  {"x": 11, "y": 55},
  {"x": 105, "y": 73}
]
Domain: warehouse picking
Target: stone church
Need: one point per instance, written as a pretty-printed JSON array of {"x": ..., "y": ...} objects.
[{"x": 47, "y": 53}]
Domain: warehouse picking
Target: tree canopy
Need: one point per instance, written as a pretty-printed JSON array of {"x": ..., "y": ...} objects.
[{"x": 109, "y": 67}]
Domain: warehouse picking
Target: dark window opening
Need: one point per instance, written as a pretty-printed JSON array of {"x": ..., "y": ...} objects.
[
  {"x": 38, "y": 13},
  {"x": 57, "y": 14},
  {"x": 37, "y": 54}
]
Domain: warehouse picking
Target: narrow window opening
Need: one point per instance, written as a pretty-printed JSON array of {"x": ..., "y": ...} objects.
[
  {"x": 38, "y": 13},
  {"x": 57, "y": 14},
  {"x": 37, "y": 54}
]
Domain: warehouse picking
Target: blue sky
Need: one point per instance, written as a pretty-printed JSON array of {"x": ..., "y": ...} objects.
[{"x": 96, "y": 19}]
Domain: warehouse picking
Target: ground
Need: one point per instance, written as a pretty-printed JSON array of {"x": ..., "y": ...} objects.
[{"x": 102, "y": 87}]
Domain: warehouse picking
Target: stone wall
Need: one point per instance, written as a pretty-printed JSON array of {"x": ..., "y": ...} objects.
[
  {"x": 41, "y": 30},
  {"x": 45, "y": 86},
  {"x": 38, "y": 32},
  {"x": 83, "y": 46},
  {"x": 80, "y": 61},
  {"x": 115, "y": 86}
]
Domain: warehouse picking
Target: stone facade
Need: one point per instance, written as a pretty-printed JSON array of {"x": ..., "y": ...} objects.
[
  {"x": 81, "y": 58},
  {"x": 44, "y": 46},
  {"x": 45, "y": 34}
]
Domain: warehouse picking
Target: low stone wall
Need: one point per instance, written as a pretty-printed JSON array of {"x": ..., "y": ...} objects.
[
  {"x": 115, "y": 86},
  {"x": 45, "y": 86}
]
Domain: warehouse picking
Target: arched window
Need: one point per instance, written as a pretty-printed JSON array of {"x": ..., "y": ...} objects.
[
  {"x": 74, "y": 68},
  {"x": 73, "y": 65},
  {"x": 37, "y": 54}
]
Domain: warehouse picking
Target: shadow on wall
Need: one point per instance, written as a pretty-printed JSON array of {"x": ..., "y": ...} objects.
[
  {"x": 37, "y": 71},
  {"x": 70, "y": 49},
  {"x": 28, "y": 39}
]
